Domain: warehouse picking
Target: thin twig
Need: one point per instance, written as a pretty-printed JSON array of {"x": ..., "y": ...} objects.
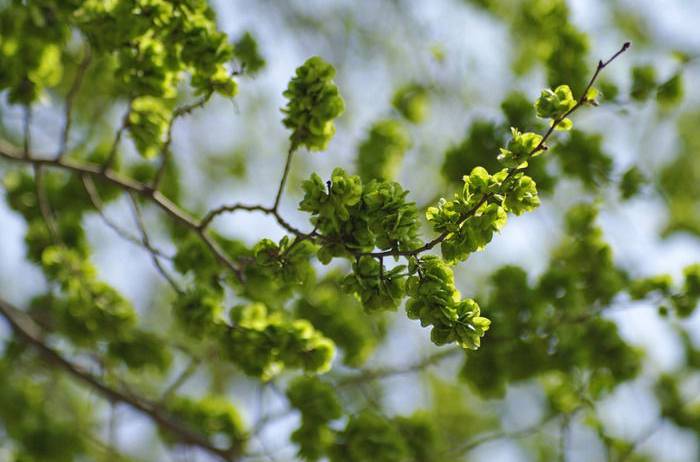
[
  {"x": 70, "y": 97},
  {"x": 641, "y": 439},
  {"x": 44, "y": 206},
  {"x": 180, "y": 380},
  {"x": 27, "y": 142},
  {"x": 482, "y": 439},
  {"x": 285, "y": 174},
  {"x": 111, "y": 157},
  {"x": 138, "y": 217},
  {"x": 127, "y": 184},
  {"x": 96, "y": 201},
  {"x": 166, "y": 152},
  {"x": 369, "y": 375}
]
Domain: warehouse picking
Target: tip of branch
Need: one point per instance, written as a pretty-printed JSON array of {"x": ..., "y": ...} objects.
[{"x": 626, "y": 45}]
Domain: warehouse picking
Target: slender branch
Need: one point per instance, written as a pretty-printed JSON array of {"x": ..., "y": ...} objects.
[
  {"x": 70, "y": 97},
  {"x": 479, "y": 440},
  {"x": 212, "y": 214},
  {"x": 285, "y": 174},
  {"x": 30, "y": 333},
  {"x": 166, "y": 151},
  {"x": 146, "y": 241},
  {"x": 94, "y": 197},
  {"x": 180, "y": 380},
  {"x": 111, "y": 157},
  {"x": 44, "y": 206},
  {"x": 583, "y": 99},
  {"x": 26, "y": 144},
  {"x": 127, "y": 184},
  {"x": 369, "y": 375}
]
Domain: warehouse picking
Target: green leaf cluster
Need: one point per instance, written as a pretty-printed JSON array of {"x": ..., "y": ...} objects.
[
  {"x": 554, "y": 104},
  {"x": 378, "y": 289},
  {"x": 247, "y": 53},
  {"x": 314, "y": 102},
  {"x": 552, "y": 326},
  {"x": 434, "y": 300},
  {"x": 263, "y": 343},
  {"x": 352, "y": 217},
  {"x": 340, "y": 317},
  {"x": 380, "y": 154},
  {"x": 318, "y": 404},
  {"x": 412, "y": 102},
  {"x": 214, "y": 417},
  {"x": 520, "y": 147}
]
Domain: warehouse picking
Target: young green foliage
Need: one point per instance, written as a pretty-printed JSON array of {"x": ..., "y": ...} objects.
[
  {"x": 379, "y": 156},
  {"x": 412, "y": 102},
  {"x": 314, "y": 101}
]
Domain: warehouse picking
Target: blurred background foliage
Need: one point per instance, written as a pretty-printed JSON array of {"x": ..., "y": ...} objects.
[{"x": 594, "y": 342}]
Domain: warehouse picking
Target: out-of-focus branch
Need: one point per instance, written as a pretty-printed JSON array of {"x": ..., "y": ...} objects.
[
  {"x": 126, "y": 184},
  {"x": 146, "y": 241},
  {"x": 70, "y": 98},
  {"x": 369, "y": 375},
  {"x": 96, "y": 201},
  {"x": 27, "y": 331}
]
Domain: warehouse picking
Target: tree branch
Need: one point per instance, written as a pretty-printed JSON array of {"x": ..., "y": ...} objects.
[
  {"x": 70, "y": 97},
  {"x": 30, "y": 333},
  {"x": 126, "y": 184},
  {"x": 146, "y": 241},
  {"x": 285, "y": 174}
]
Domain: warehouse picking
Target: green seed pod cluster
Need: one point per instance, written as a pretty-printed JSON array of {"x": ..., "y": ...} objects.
[
  {"x": 318, "y": 404},
  {"x": 379, "y": 156},
  {"x": 521, "y": 195},
  {"x": 148, "y": 122},
  {"x": 30, "y": 53},
  {"x": 520, "y": 148},
  {"x": 481, "y": 143},
  {"x": 539, "y": 325},
  {"x": 582, "y": 156},
  {"x": 643, "y": 82},
  {"x": 314, "y": 102},
  {"x": 287, "y": 261},
  {"x": 554, "y": 104},
  {"x": 369, "y": 436},
  {"x": 185, "y": 39},
  {"x": 199, "y": 311},
  {"x": 639, "y": 289},
  {"x": 378, "y": 289},
  {"x": 31, "y": 419},
  {"x": 434, "y": 300},
  {"x": 340, "y": 317},
  {"x": 412, "y": 102},
  {"x": 263, "y": 343},
  {"x": 350, "y": 216},
  {"x": 91, "y": 308},
  {"x": 631, "y": 183},
  {"x": 215, "y": 418},
  {"x": 248, "y": 55},
  {"x": 88, "y": 310},
  {"x": 670, "y": 92},
  {"x": 470, "y": 219}
]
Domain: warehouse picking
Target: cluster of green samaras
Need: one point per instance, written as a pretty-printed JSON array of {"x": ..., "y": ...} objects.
[
  {"x": 366, "y": 435},
  {"x": 314, "y": 101},
  {"x": 154, "y": 44}
]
